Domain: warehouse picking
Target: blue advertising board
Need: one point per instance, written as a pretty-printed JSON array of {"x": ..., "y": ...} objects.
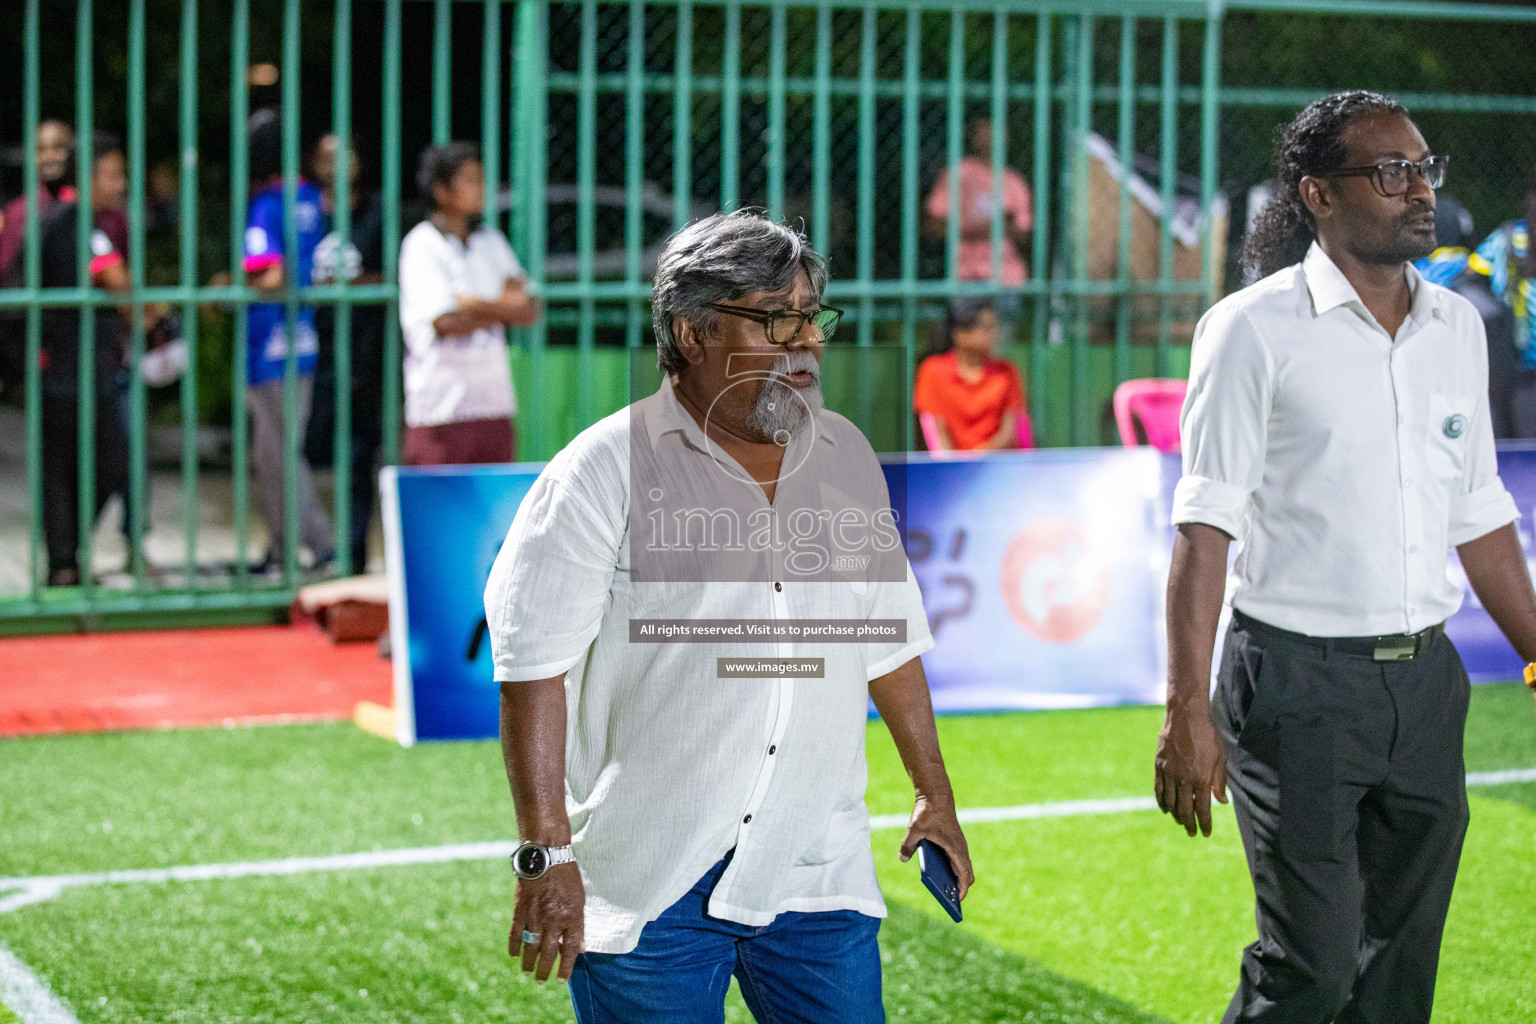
[
  {"x": 1042, "y": 575},
  {"x": 443, "y": 527}
]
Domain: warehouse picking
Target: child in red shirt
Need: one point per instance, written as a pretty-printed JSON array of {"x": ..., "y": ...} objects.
[{"x": 975, "y": 399}]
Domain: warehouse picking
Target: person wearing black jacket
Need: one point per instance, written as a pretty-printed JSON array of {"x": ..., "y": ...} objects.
[
  {"x": 61, "y": 364},
  {"x": 360, "y": 262}
]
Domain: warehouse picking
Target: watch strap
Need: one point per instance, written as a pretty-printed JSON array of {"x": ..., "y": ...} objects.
[{"x": 560, "y": 855}]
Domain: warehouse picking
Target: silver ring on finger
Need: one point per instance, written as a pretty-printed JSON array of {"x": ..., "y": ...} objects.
[{"x": 531, "y": 938}]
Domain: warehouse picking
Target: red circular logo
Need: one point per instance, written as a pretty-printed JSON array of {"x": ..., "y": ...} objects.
[{"x": 1054, "y": 586}]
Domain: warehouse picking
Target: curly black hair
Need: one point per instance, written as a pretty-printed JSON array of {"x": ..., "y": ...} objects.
[{"x": 1312, "y": 144}]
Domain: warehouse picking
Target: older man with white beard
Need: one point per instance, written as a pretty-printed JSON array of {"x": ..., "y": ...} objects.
[{"x": 688, "y": 770}]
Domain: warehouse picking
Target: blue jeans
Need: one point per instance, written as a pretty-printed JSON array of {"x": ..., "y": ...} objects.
[{"x": 799, "y": 969}]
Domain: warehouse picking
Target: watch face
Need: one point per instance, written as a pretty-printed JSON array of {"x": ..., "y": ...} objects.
[{"x": 532, "y": 861}]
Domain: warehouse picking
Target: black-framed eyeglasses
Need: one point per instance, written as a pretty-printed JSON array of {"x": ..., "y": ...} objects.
[
  {"x": 783, "y": 326},
  {"x": 1394, "y": 177}
]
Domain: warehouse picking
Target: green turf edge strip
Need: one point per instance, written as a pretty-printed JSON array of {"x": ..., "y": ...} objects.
[{"x": 24, "y": 997}]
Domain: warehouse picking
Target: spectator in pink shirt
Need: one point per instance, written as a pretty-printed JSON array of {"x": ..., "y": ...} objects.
[{"x": 974, "y": 256}]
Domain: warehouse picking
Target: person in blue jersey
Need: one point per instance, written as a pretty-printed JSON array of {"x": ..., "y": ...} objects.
[
  {"x": 268, "y": 266},
  {"x": 1454, "y": 266},
  {"x": 1505, "y": 259}
]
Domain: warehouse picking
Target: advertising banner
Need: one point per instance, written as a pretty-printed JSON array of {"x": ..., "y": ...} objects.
[
  {"x": 1042, "y": 575},
  {"x": 442, "y": 529}
]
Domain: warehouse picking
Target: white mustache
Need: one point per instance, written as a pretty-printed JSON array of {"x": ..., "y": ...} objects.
[{"x": 795, "y": 362}]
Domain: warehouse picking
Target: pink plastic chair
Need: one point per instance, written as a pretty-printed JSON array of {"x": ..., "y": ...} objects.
[
  {"x": 930, "y": 425},
  {"x": 1153, "y": 404}
]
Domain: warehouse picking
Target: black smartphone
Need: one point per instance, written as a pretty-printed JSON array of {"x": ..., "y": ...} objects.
[{"x": 939, "y": 876}]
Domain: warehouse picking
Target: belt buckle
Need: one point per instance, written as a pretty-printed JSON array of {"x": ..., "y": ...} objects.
[{"x": 1395, "y": 648}]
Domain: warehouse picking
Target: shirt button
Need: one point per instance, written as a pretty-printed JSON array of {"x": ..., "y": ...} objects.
[
  {"x": 778, "y": 586},
  {"x": 747, "y": 820},
  {"x": 1413, "y": 549},
  {"x": 773, "y": 748}
]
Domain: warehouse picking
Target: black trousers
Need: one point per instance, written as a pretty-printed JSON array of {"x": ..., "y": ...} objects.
[
  {"x": 61, "y": 471},
  {"x": 1350, "y": 791}
]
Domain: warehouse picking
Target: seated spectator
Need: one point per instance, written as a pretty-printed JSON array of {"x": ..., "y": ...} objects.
[
  {"x": 976, "y": 399},
  {"x": 460, "y": 288}
]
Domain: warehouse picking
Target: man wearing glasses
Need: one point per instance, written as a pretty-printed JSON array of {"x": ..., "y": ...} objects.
[
  {"x": 1337, "y": 426},
  {"x": 689, "y": 788}
]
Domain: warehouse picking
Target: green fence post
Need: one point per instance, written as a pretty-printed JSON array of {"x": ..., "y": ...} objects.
[
  {"x": 1168, "y": 153},
  {"x": 533, "y": 59},
  {"x": 1083, "y": 427},
  {"x": 586, "y": 217},
  {"x": 869, "y": 29},
  {"x": 865, "y": 256},
  {"x": 821, "y": 128},
  {"x": 954, "y": 138},
  {"x": 188, "y": 278},
  {"x": 442, "y": 70},
  {"x": 490, "y": 110},
  {"x": 1126, "y": 143},
  {"x": 634, "y": 170},
  {"x": 682, "y": 119},
  {"x": 776, "y": 112},
  {"x": 137, "y": 449},
  {"x": 341, "y": 125},
  {"x": 1039, "y": 255},
  {"x": 239, "y": 56},
  {"x": 85, "y": 128},
  {"x": 730, "y": 108},
  {"x": 1210, "y": 108},
  {"x": 31, "y": 269},
  {"x": 292, "y": 419},
  {"x": 998, "y": 113},
  {"x": 390, "y": 174},
  {"x": 911, "y": 69}
]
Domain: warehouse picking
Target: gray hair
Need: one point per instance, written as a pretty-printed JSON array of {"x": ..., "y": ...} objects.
[{"x": 721, "y": 258}]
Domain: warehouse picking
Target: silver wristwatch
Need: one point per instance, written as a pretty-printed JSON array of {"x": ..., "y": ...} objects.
[{"x": 533, "y": 860}]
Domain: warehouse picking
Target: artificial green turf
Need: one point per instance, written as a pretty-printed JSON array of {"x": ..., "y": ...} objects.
[
  {"x": 1113, "y": 918},
  {"x": 7, "y": 1017}
]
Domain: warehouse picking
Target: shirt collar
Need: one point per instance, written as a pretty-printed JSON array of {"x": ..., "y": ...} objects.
[
  {"x": 1330, "y": 289},
  {"x": 664, "y": 414}
]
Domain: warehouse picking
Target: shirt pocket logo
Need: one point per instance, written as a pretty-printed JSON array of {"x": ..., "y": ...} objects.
[{"x": 1446, "y": 436}]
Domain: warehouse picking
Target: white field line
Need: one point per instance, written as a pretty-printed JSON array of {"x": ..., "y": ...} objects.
[
  {"x": 25, "y": 890},
  {"x": 25, "y": 995},
  {"x": 1501, "y": 778}
]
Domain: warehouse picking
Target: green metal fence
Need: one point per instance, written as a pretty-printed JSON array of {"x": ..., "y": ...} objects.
[{"x": 605, "y": 125}]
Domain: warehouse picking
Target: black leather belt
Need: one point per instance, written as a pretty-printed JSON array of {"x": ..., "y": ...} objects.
[{"x": 1391, "y": 647}]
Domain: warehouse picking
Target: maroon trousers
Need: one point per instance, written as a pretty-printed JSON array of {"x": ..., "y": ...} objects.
[{"x": 457, "y": 444}]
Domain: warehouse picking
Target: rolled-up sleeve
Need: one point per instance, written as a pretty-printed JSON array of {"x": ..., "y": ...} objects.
[
  {"x": 549, "y": 585},
  {"x": 1223, "y": 426},
  {"x": 1482, "y": 504},
  {"x": 898, "y": 600}
]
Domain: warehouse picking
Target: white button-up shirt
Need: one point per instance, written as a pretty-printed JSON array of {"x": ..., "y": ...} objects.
[
  {"x": 464, "y": 376},
  {"x": 668, "y": 765},
  {"x": 1345, "y": 461}
]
